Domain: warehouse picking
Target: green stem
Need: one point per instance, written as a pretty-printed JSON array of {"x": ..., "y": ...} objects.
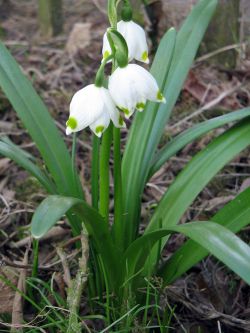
[
  {"x": 112, "y": 13},
  {"x": 35, "y": 258},
  {"x": 99, "y": 78},
  {"x": 73, "y": 157},
  {"x": 118, "y": 225},
  {"x": 95, "y": 171},
  {"x": 104, "y": 173}
]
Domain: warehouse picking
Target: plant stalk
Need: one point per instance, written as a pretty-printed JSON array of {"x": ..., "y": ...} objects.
[
  {"x": 95, "y": 171},
  {"x": 118, "y": 210},
  {"x": 104, "y": 173}
]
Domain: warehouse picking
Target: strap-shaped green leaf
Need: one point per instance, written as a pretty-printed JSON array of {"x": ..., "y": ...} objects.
[
  {"x": 221, "y": 243},
  {"x": 21, "y": 158},
  {"x": 149, "y": 126},
  {"x": 195, "y": 176},
  {"x": 138, "y": 137},
  {"x": 234, "y": 216},
  {"x": 181, "y": 140},
  {"x": 212, "y": 237},
  {"x": 54, "y": 207},
  {"x": 39, "y": 123}
]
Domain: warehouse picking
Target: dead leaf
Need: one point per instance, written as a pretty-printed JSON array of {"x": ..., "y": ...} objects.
[{"x": 79, "y": 38}]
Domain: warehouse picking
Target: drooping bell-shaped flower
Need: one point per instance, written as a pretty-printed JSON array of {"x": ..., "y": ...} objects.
[
  {"x": 131, "y": 86},
  {"x": 135, "y": 38},
  {"x": 92, "y": 106}
]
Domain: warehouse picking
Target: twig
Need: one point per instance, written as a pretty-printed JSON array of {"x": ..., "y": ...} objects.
[
  {"x": 66, "y": 271},
  {"x": 208, "y": 106},
  {"x": 55, "y": 232},
  {"x": 75, "y": 292},
  {"x": 221, "y": 50}
]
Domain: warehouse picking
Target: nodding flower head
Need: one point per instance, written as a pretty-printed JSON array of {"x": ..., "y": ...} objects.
[
  {"x": 92, "y": 106},
  {"x": 131, "y": 86},
  {"x": 135, "y": 38}
]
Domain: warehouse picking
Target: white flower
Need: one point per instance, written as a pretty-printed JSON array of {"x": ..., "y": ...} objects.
[
  {"x": 131, "y": 86},
  {"x": 135, "y": 38},
  {"x": 92, "y": 106}
]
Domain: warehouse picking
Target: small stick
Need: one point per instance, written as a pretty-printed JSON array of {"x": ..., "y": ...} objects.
[
  {"x": 66, "y": 271},
  {"x": 75, "y": 292}
]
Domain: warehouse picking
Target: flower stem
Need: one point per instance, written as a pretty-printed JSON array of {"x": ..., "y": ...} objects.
[
  {"x": 104, "y": 173},
  {"x": 95, "y": 171},
  {"x": 73, "y": 154},
  {"x": 35, "y": 258},
  {"x": 112, "y": 13},
  {"x": 118, "y": 234}
]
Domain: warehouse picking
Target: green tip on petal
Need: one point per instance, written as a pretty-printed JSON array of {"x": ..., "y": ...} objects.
[
  {"x": 71, "y": 123},
  {"x": 125, "y": 111},
  {"x": 144, "y": 57},
  {"x": 121, "y": 122},
  {"x": 160, "y": 97},
  {"x": 106, "y": 54},
  {"x": 99, "y": 129},
  {"x": 140, "y": 106}
]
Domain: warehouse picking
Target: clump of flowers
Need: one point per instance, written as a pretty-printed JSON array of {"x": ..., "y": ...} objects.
[{"x": 130, "y": 86}]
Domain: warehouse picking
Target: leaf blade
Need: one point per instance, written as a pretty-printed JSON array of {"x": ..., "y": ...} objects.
[
  {"x": 181, "y": 140},
  {"x": 148, "y": 127},
  {"x": 203, "y": 167},
  {"x": 234, "y": 216},
  {"x": 54, "y": 207},
  {"x": 38, "y": 122},
  {"x": 17, "y": 155}
]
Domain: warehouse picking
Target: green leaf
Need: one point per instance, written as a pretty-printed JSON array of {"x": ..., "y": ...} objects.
[
  {"x": 181, "y": 140},
  {"x": 54, "y": 207},
  {"x": 133, "y": 154},
  {"x": 234, "y": 216},
  {"x": 39, "y": 124},
  {"x": 219, "y": 241},
  {"x": 21, "y": 157},
  {"x": 149, "y": 126},
  {"x": 195, "y": 176},
  {"x": 138, "y": 251}
]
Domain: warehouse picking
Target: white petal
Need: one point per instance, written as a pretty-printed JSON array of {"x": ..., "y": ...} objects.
[
  {"x": 99, "y": 126},
  {"x": 123, "y": 28},
  {"x": 146, "y": 84},
  {"x": 106, "y": 49},
  {"x": 123, "y": 91},
  {"x": 68, "y": 130},
  {"x": 110, "y": 108},
  {"x": 139, "y": 36},
  {"x": 86, "y": 106},
  {"x": 135, "y": 37}
]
